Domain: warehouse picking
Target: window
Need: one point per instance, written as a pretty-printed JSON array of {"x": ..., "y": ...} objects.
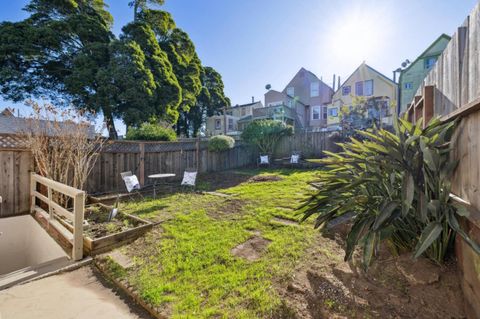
[
  {"x": 244, "y": 111},
  {"x": 218, "y": 124},
  {"x": 314, "y": 89},
  {"x": 359, "y": 88},
  {"x": 346, "y": 90},
  {"x": 325, "y": 112},
  {"x": 333, "y": 112},
  {"x": 230, "y": 124},
  {"x": 369, "y": 87},
  {"x": 316, "y": 112},
  {"x": 408, "y": 85},
  {"x": 430, "y": 62},
  {"x": 275, "y": 103},
  {"x": 291, "y": 91}
]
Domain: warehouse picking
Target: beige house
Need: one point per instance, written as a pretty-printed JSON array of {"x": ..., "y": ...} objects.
[
  {"x": 365, "y": 85},
  {"x": 233, "y": 121},
  {"x": 302, "y": 103}
]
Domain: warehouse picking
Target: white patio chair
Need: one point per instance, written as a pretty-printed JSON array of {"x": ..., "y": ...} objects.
[
  {"x": 131, "y": 182},
  {"x": 295, "y": 159},
  {"x": 264, "y": 160},
  {"x": 189, "y": 178}
]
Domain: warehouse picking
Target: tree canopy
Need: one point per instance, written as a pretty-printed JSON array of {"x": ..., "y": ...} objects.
[{"x": 65, "y": 52}]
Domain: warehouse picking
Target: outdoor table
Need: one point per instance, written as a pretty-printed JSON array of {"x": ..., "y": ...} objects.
[{"x": 156, "y": 177}]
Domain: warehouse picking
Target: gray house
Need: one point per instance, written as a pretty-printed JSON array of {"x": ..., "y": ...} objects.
[{"x": 302, "y": 103}]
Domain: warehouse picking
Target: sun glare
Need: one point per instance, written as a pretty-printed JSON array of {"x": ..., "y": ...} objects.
[{"x": 359, "y": 33}]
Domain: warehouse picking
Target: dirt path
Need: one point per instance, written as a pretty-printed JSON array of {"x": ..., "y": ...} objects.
[
  {"x": 324, "y": 286},
  {"x": 78, "y": 294}
]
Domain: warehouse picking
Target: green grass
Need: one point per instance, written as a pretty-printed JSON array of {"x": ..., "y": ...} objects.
[{"x": 188, "y": 267}]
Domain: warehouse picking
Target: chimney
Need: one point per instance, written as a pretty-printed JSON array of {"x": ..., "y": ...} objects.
[
  {"x": 334, "y": 83},
  {"x": 338, "y": 86},
  {"x": 253, "y": 99}
]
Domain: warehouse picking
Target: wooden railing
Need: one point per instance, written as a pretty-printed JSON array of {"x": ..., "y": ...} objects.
[{"x": 55, "y": 211}]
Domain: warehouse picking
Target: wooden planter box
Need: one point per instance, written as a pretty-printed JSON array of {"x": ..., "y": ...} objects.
[
  {"x": 100, "y": 245},
  {"x": 94, "y": 246}
]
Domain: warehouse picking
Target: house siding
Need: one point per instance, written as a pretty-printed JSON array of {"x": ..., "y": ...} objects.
[
  {"x": 382, "y": 87},
  {"x": 416, "y": 72},
  {"x": 301, "y": 83}
]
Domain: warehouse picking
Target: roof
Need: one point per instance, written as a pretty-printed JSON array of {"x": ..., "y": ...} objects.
[
  {"x": 243, "y": 105},
  {"x": 442, "y": 36},
  {"x": 247, "y": 118},
  {"x": 370, "y": 68},
  {"x": 311, "y": 74},
  {"x": 10, "y": 124}
]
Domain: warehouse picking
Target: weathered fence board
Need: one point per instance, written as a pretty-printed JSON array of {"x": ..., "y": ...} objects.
[
  {"x": 159, "y": 158},
  {"x": 15, "y": 167},
  {"x": 310, "y": 144},
  {"x": 456, "y": 79}
]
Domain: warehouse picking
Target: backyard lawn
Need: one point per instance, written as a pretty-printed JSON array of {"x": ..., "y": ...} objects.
[{"x": 244, "y": 256}]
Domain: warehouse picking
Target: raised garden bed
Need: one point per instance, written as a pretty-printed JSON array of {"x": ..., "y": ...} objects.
[{"x": 101, "y": 234}]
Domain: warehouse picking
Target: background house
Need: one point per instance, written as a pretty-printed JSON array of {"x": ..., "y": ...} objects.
[
  {"x": 302, "y": 103},
  {"x": 367, "y": 87},
  {"x": 412, "y": 76},
  {"x": 16, "y": 125},
  {"x": 234, "y": 121}
]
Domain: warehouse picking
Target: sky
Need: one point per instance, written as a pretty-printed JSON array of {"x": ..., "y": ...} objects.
[{"x": 252, "y": 43}]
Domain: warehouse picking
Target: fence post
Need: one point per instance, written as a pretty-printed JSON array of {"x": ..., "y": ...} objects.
[
  {"x": 33, "y": 188},
  {"x": 78, "y": 212},
  {"x": 142, "y": 164},
  {"x": 428, "y": 101},
  {"x": 50, "y": 208},
  {"x": 197, "y": 152}
]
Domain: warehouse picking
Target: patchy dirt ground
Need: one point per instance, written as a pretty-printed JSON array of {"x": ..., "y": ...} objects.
[
  {"x": 252, "y": 249},
  {"x": 100, "y": 226},
  {"x": 264, "y": 178},
  {"x": 324, "y": 286}
]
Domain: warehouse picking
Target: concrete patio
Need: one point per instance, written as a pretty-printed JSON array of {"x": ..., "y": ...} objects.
[{"x": 77, "y": 294}]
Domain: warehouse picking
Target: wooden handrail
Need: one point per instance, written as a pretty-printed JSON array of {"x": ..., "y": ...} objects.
[
  {"x": 76, "y": 217},
  {"x": 59, "y": 187}
]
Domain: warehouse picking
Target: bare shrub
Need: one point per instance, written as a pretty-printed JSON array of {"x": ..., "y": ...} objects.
[{"x": 63, "y": 143}]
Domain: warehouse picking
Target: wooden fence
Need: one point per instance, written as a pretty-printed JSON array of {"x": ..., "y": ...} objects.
[
  {"x": 452, "y": 90},
  {"x": 15, "y": 167},
  {"x": 142, "y": 159},
  {"x": 149, "y": 158},
  {"x": 309, "y": 144}
]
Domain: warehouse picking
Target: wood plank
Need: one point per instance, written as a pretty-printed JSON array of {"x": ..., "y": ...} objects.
[
  {"x": 464, "y": 110},
  {"x": 78, "y": 211}
]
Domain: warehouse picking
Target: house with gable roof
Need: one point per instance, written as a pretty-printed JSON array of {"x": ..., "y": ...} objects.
[
  {"x": 367, "y": 86},
  {"x": 302, "y": 103}
]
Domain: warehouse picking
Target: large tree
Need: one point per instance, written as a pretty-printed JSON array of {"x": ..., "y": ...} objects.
[
  {"x": 148, "y": 87},
  {"x": 60, "y": 52},
  {"x": 65, "y": 52},
  {"x": 211, "y": 100},
  {"x": 183, "y": 57}
]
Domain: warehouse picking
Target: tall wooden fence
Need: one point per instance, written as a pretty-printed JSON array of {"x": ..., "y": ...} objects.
[
  {"x": 142, "y": 158},
  {"x": 147, "y": 158},
  {"x": 15, "y": 167},
  {"x": 309, "y": 144},
  {"x": 452, "y": 90}
]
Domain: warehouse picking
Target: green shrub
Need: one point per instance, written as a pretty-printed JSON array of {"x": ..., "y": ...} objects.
[
  {"x": 220, "y": 143},
  {"x": 397, "y": 187},
  {"x": 265, "y": 134},
  {"x": 151, "y": 132}
]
